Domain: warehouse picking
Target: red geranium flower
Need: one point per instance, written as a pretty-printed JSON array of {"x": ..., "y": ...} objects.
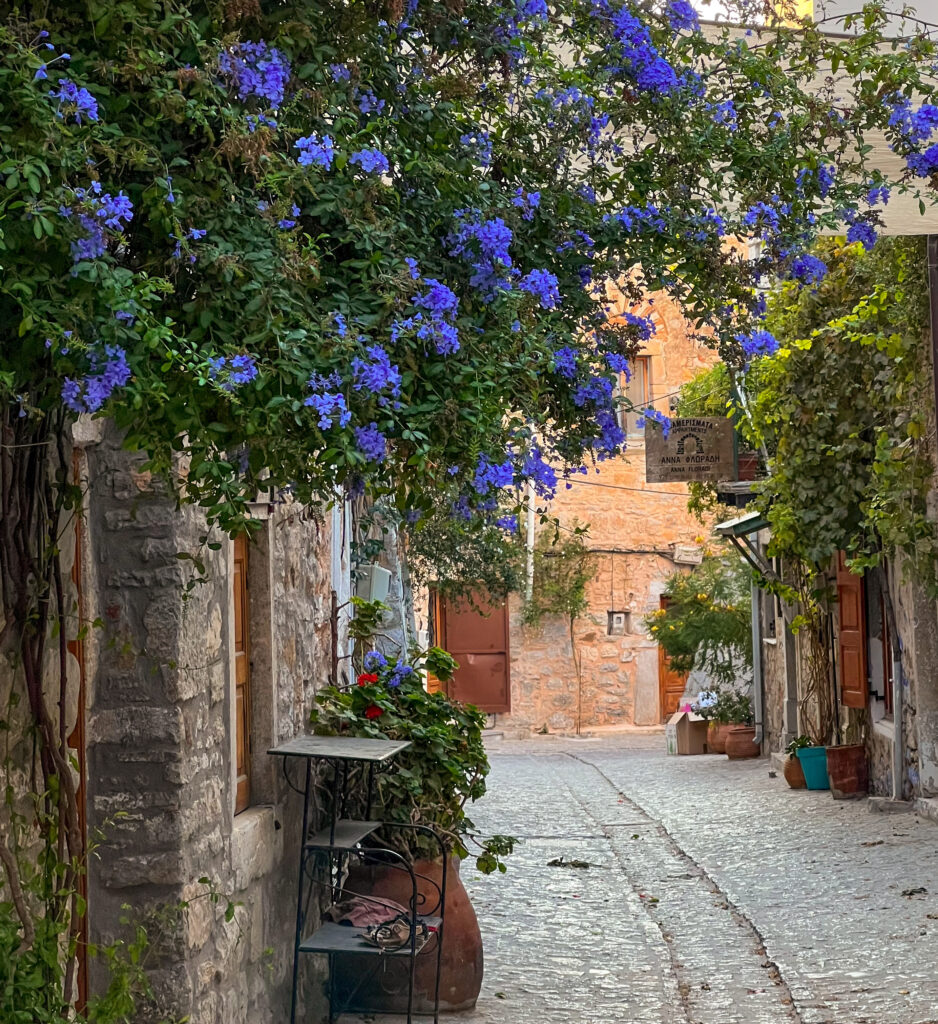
[
  {"x": 373, "y": 711},
  {"x": 367, "y": 677}
]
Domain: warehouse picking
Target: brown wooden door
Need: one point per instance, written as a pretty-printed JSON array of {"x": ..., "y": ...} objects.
[
  {"x": 242, "y": 674},
  {"x": 671, "y": 684},
  {"x": 851, "y": 637},
  {"x": 478, "y": 639}
]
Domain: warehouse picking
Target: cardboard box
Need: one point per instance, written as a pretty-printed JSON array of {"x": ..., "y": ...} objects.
[{"x": 686, "y": 733}]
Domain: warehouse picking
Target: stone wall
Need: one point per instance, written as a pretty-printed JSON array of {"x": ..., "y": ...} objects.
[
  {"x": 634, "y": 529},
  {"x": 160, "y": 736}
]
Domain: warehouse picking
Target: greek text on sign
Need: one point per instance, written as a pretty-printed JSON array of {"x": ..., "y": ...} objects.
[{"x": 695, "y": 449}]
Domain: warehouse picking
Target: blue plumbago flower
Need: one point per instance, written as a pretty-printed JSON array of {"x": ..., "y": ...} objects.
[
  {"x": 541, "y": 474},
  {"x": 376, "y": 373},
  {"x": 611, "y": 435},
  {"x": 639, "y": 219},
  {"x": 484, "y": 245},
  {"x": 412, "y": 266},
  {"x": 287, "y": 223},
  {"x": 341, "y": 327},
  {"x": 41, "y": 73},
  {"x": 371, "y": 442},
  {"x": 924, "y": 164},
  {"x": 480, "y": 144},
  {"x": 98, "y": 213},
  {"x": 196, "y": 233},
  {"x": 808, "y": 268},
  {"x": 507, "y": 523},
  {"x": 369, "y": 103},
  {"x": 618, "y": 363},
  {"x": 327, "y": 401},
  {"x": 531, "y": 10},
  {"x": 758, "y": 343},
  {"x": 230, "y": 372},
  {"x": 490, "y": 475},
  {"x": 594, "y": 391},
  {"x": 659, "y": 417},
  {"x": 124, "y": 316},
  {"x": 565, "y": 362},
  {"x": 315, "y": 150},
  {"x": 170, "y": 198},
  {"x": 542, "y": 284},
  {"x": 725, "y": 113},
  {"x": 642, "y": 59},
  {"x": 256, "y": 69},
  {"x": 74, "y": 101},
  {"x": 878, "y": 194},
  {"x": 371, "y": 160},
  {"x": 255, "y": 121},
  {"x": 340, "y": 72},
  {"x": 103, "y": 378},
  {"x": 682, "y": 17},
  {"x": 527, "y": 202},
  {"x": 862, "y": 232},
  {"x": 374, "y": 661},
  {"x": 644, "y": 325},
  {"x": 439, "y": 299}
]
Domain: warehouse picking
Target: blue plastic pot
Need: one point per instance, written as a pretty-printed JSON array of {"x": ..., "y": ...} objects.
[{"x": 814, "y": 765}]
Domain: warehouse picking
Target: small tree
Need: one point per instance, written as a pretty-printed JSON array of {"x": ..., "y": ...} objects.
[{"x": 708, "y": 623}]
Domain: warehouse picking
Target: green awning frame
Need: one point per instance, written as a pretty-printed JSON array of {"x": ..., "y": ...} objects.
[{"x": 738, "y": 533}]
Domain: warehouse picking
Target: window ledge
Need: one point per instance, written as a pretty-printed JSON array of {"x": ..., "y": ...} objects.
[
  {"x": 256, "y": 845},
  {"x": 885, "y": 727}
]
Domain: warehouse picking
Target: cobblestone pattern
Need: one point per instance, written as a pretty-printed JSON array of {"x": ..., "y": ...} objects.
[{"x": 715, "y": 895}]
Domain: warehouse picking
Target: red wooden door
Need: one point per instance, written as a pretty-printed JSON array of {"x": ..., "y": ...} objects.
[
  {"x": 477, "y": 637},
  {"x": 671, "y": 684},
  {"x": 851, "y": 638},
  {"x": 242, "y": 673}
]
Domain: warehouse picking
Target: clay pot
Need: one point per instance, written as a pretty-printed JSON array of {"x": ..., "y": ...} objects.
[
  {"x": 739, "y": 742},
  {"x": 716, "y": 738},
  {"x": 793, "y": 772},
  {"x": 384, "y": 989},
  {"x": 848, "y": 771}
]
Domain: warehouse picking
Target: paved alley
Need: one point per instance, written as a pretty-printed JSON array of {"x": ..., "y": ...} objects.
[{"x": 714, "y": 894}]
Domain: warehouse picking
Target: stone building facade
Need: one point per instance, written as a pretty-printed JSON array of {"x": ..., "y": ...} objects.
[
  {"x": 640, "y": 534},
  {"x": 160, "y": 707}
]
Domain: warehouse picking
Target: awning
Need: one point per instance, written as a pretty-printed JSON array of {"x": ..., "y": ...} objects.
[{"x": 738, "y": 531}]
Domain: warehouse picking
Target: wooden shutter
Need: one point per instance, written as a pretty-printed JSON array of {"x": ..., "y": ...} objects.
[
  {"x": 242, "y": 674},
  {"x": 851, "y": 639}
]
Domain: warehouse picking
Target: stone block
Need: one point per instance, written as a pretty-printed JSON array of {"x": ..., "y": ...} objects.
[
  {"x": 165, "y": 867},
  {"x": 256, "y": 846},
  {"x": 140, "y": 725}
]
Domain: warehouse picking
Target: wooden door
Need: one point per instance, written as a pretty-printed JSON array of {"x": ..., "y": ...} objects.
[
  {"x": 477, "y": 637},
  {"x": 671, "y": 684},
  {"x": 242, "y": 674},
  {"x": 851, "y": 637}
]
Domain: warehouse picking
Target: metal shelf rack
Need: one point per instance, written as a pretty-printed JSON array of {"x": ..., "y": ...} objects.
[{"x": 324, "y": 856}]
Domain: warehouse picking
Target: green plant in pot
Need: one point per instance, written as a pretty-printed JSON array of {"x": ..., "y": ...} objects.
[
  {"x": 792, "y": 770},
  {"x": 429, "y": 784}
]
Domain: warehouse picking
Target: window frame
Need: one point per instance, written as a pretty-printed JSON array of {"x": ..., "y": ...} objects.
[{"x": 627, "y": 417}]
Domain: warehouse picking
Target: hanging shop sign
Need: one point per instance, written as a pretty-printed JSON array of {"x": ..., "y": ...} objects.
[{"x": 695, "y": 449}]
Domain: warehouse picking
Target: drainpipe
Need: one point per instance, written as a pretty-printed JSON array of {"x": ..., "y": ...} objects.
[
  {"x": 898, "y": 766},
  {"x": 529, "y": 544},
  {"x": 756, "y": 665}
]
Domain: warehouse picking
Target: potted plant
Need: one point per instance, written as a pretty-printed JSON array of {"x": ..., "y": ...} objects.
[
  {"x": 792, "y": 770},
  {"x": 708, "y": 707},
  {"x": 736, "y": 707},
  {"x": 430, "y": 784},
  {"x": 814, "y": 764},
  {"x": 847, "y": 767}
]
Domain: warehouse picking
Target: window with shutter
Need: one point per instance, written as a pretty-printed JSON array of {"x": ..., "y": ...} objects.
[
  {"x": 242, "y": 674},
  {"x": 851, "y": 638}
]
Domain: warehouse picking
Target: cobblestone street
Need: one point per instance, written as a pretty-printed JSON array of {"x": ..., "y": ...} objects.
[{"x": 714, "y": 894}]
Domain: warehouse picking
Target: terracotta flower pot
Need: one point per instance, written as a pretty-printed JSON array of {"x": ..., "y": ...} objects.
[
  {"x": 739, "y": 742},
  {"x": 848, "y": 771},
  {"x": 793, "y": 772},
  {"x": 385, "y": 990},
  {"x": 716, "y": 738}
]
